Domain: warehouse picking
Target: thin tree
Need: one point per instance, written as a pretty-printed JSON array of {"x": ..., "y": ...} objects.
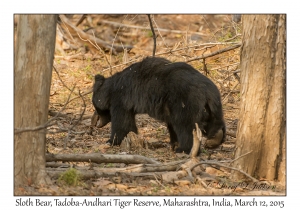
[
  {"x": 262, "y": 119},
  {"x": 34, "y": 53}
]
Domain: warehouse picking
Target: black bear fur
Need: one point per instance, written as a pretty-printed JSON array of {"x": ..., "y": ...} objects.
[{"x": 174, "y": 93}]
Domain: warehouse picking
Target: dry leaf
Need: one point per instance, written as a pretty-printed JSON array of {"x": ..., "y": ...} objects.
[
  {"x": 182, "y": 182},
  {"x": 102, "y": 183}
]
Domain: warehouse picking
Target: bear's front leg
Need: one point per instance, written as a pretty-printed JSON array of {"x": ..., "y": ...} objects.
[{"x": 122, "y": 122}]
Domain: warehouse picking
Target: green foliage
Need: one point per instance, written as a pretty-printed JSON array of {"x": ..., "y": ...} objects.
[
  {"x": 155, "y": 188},
  {"x": 168, "y": 189},
  {"x": 212, "y": 72},
  {"x": 109, "y": 165},
  {"x": 225, "y": 36},
  {"x": 204, "y": 151},
  {"x": 70, "y": 177},
  {"x": 88, "y": 70},
  {"x": 149, "y": 34},
  {"x": 229, "y": 33}
]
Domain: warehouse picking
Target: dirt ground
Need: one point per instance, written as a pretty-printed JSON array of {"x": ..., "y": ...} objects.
[{"x": 76, "y": 62}]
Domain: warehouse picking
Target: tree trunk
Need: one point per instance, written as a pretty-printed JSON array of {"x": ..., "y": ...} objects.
[
  {"x": 262, "y": 120},
  {"x": 32, "y": 78}
]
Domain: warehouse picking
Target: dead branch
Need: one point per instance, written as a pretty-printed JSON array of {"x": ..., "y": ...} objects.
[
  {"x": 48, "y": 123},
  {"x": 124, "y": 49},
  {"x": 95, "y": 173},
  {"x": 86, "y": 36},
  {"x": 232, "y": 38},
  {"x": 224, "y": 166},
  {"x": 171, "y": 174},
  {"x": 215, "y": 53},
  {"x": 197, "y": 135},
  {"x": 172, "y": 166},
  {"x": 99, "y": 158},
  {"x": 83, "y": 94},
  {"x": 240, "y": 157},
  {"x": 122, "y": 64},
  {"x": 37, "y": 128},
  {"x": 171, "y": 51},
  {"x": 223, "y": 67},
  {"x": 61, "y": 79},
  {"x": 153, "y": 34},
  {"x": 53, "y": 113},
  {"x": 57, "y": 165},
  {"x": 171, "y": 177},
  {"x": 146, "y": 28},
  {"x": 81, "y": 20}
]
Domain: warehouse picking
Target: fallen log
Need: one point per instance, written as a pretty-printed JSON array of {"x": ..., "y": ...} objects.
[{"x": 100, "y": 158}]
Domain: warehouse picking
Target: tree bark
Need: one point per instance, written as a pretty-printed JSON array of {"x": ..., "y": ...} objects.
[
  {"x": 32, "y": 78},
  {"x": 262, "y": 119}
]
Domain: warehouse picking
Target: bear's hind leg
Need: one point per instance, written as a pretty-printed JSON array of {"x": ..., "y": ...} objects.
[{"x": 173, "y": 136}]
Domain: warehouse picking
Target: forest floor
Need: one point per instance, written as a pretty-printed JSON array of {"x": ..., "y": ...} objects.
[{"x": 76, "y": 62}]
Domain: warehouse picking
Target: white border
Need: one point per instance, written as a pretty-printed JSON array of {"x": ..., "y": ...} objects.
[{"x": 8, "y": 8}]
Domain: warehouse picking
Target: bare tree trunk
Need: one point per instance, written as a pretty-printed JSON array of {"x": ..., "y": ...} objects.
[
  {"x": 32, "y": 78},
  {"x": 262, "y": 120}
]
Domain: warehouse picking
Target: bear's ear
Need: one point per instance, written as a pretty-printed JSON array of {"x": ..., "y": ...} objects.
[{"x": 99, "y": 80}]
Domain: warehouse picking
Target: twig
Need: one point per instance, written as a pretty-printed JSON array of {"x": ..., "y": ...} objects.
[
  {"x": 153, "y": 34},
  {"x": 88, "y": 92},
  {"x": 68, "y": 101},
  {"x": 114, "y": 41},
  {"x": 170, "y": 51},
  {"x": 224, "y": 166},
  {"x": 89, "y": 37},
  {"x": 99, "y": 48},
  {"x": 122, "y": 64},
  {"x": 47, "y": 124},
  {"x": 229, "y": 92},
  {"x": 21, "y": 130},
  {"x": 240, "y": 157},
  {"x": 222, "y": 67},
  {"x": 232, "y": 38},
  {"x": 146, "y": 28},
  {"x": 61, "y": 79},
  {"x": 155, "y": 176},
  {"x": 81, "y": 20},
  {"x": 162, "y": 38},
  {"x": 68, "y": 31},
  {"x": 215, "y": 53}
]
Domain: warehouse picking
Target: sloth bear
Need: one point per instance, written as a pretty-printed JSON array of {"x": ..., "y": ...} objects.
[{"x": 174, "y": 93}]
